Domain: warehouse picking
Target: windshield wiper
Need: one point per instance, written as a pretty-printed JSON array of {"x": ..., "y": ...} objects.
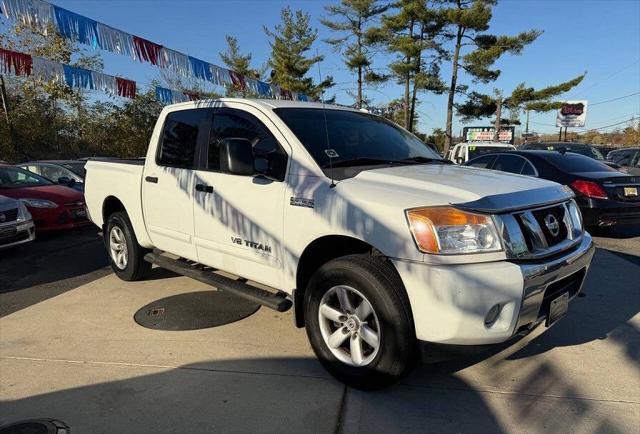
[
  {"x": 420, "y": 159},
  {"x": 358, "y": 161}
]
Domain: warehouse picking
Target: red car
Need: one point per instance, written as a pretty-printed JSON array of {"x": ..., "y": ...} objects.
[{"x": 52, "y": 206}]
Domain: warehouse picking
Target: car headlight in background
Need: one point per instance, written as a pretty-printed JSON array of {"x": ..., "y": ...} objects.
[
  {"x": 23, "y": 213},
  {"x": 448, "y": 230},
  {"x": 39, "y": 203}
]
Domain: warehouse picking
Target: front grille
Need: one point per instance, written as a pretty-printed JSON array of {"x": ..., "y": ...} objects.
[
  {"x": 9, "y": 215},
  {"x": 20, "y": 236},
  {"x": 552, "y": 223},
  {"x": 570, "y": 284},
  {"x": 541, "y": 232}
]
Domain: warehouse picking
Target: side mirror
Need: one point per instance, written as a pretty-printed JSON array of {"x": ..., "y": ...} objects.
[
  {"x": 66, "y": 181},
  {"x": 236, "y": 157}
]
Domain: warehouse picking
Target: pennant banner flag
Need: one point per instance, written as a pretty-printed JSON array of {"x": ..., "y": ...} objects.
[
  {"x": 84, "y": 30},
  {"x": 14, "y": 63}
]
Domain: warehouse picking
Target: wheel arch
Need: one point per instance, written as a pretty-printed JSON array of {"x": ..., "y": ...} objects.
[{"x": 319, "y": 252}]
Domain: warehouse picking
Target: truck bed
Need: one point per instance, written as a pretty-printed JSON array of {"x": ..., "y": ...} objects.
[{"x": 113, "y": 180}]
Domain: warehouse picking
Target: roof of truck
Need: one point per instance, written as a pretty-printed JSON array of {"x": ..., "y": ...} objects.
[{"x": 264, "y": 103}]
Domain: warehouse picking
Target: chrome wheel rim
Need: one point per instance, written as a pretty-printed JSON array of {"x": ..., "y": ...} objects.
[
  {"x": 349, "y": 325},
  {"x": 118, "y": 248}
]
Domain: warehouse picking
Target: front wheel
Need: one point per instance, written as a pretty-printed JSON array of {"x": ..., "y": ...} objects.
[
  {"x": 359, "y": 321},
  {"x": 125, "y": 254}
]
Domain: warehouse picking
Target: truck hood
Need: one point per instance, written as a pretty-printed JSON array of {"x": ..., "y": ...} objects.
[{"x": 468, "y": 187}]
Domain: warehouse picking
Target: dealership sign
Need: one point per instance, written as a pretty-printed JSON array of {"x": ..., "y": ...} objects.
[
  {"x": 572, "y": 114},
  {"x": 485, "y": 134}
]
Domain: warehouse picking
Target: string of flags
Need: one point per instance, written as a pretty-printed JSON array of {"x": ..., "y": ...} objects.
[
  {"x": 78, "y": 28},
  {"x": 15, "y": 63}
]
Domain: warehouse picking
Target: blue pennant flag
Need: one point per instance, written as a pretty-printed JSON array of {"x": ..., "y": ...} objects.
[{"x": 78, "y": 77}]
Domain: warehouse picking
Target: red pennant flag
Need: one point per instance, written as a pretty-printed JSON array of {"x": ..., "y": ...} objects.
[
  {"x": 126, "y": 88},
  {"x": 147, "y": 50}
]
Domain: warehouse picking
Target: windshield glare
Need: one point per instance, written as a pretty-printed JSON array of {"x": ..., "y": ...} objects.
[
  {"x": 352, "y": 135},
  {"x": 12, "y": 177}
]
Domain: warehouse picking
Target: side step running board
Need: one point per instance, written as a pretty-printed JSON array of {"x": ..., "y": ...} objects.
[{"x": 275, "y": 301}]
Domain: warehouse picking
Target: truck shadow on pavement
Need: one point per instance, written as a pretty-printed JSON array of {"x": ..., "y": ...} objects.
[
  {"x": 246, "y": 395},
  {"x": 289, "y": 395}
]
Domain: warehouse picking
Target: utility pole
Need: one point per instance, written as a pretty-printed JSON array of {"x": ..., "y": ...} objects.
[
  {"x": 5, "y": 103},
  {"x": 5, "y": 108}
]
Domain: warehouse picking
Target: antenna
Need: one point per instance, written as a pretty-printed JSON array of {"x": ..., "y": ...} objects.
[{"x": 330, "y": 152}]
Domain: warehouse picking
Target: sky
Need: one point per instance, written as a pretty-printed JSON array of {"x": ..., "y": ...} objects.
[{"x": 599, "y": 37}]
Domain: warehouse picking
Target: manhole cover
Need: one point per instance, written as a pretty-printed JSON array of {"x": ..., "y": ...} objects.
[
  {"x": 194, "y": 310},
  {"x": 36, "y": 426}
]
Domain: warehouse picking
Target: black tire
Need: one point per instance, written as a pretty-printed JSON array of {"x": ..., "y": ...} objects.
[
  {"x": 136, "y": 268},
  {"x": 378, "y": 281}
]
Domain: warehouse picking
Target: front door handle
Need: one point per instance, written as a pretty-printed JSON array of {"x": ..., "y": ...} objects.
[
  {"x": 151, "y": 179},
  {"x": 204, "y": 188}
]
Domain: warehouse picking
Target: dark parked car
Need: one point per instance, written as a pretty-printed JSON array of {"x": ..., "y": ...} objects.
[
  {"x": 627, "y": 158},
  {"x": 577, "y": 148},
  {"x": 66, "y": 172},
  {"x": 604, "y": 150},
  {"x": 606, "y": 196}
]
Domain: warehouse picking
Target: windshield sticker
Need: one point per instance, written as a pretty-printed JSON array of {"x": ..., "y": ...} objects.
[{"x": 331, "y": 153}]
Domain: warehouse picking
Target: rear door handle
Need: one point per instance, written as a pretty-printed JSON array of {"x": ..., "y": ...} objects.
[
  {"x": 204, "y": 188},
  {"x": 151, "y": 179}
]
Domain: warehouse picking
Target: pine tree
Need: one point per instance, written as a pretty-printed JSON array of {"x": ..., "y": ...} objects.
[
  {"x": 480, "y": 105},
  {"x": 241, "y": 64},
  {"x": 290, "y": 41},
  {"x": 466, "y": 20},
  {"x": 353, "y": 19},
  {"x": 411, "y": 33}
]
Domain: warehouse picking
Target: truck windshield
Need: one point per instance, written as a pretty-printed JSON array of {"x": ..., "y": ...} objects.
[{"x": 355, "y": 138}]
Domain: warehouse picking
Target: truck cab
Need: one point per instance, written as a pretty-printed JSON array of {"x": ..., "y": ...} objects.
[{"x": 380, "y": 246}]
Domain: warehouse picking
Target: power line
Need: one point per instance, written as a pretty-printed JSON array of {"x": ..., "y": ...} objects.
[
  {"x": 582, "y": 91},
  {"x": 614, "y": 99},
  {"x": 613, "y": 125}
]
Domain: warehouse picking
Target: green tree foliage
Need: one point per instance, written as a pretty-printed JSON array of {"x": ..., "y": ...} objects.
[
  {"x": 52, "y": 120},
  {"x": 353, "y": 19},
  {"x": 479, "y": 105},
  {"x": 290, "y": 42},
  {"x": 240, "y": 63},
  {"x": 466, "y": 20},
  {"x": 411, "y": 33}
]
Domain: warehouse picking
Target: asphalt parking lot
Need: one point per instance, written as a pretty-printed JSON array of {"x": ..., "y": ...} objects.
[{"x": 71, "y": 350}]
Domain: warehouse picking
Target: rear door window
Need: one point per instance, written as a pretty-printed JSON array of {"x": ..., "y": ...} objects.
[
  {"x": 509, "y": 163},
  {"x": 180, "y": 138}
]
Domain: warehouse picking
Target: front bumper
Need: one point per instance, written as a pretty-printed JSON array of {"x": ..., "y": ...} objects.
[
  {"x": 450, "y": 303},
  {"x": 23, "y": 233}
]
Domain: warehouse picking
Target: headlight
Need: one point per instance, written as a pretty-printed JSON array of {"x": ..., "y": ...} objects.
[
  {"x": 447, "y": 230},
  {"x": 23, "y": 213},
  {"x": 39, "y": 203}
]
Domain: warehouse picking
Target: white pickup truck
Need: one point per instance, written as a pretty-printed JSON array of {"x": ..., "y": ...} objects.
[{"x": 379, "y": 244}]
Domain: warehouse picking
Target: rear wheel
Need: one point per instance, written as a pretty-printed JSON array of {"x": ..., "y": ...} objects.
[
  {"x": 358, "y": 321},
  {"x": 125, "y": 254}
]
